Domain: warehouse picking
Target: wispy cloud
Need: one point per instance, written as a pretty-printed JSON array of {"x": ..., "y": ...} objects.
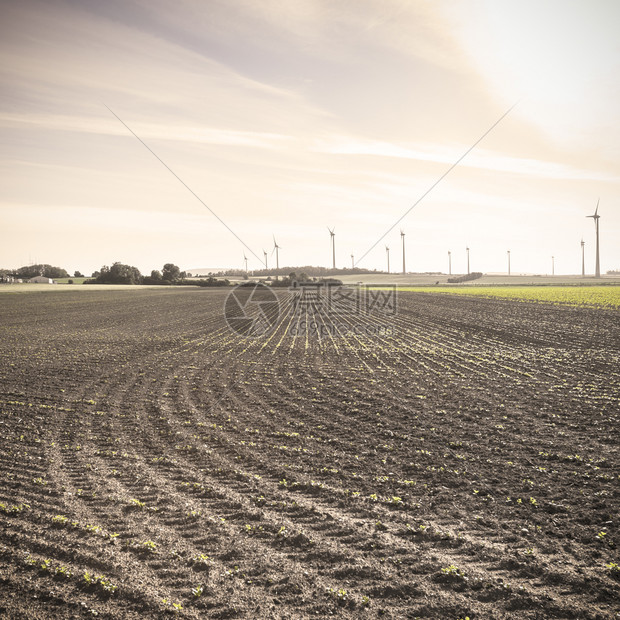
[
  {"x": 151, "y": 131},
  {"x": 481, "y": 159}
]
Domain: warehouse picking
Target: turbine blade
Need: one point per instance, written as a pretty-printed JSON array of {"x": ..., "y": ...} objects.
[{"x": 596, "y": 212}]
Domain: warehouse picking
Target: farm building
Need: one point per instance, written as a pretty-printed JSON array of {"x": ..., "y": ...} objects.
[{"x": 41, "y": 280}]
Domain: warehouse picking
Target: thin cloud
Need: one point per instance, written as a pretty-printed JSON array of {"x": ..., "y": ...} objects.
[
  {"x": 151, "y": 131},
  {"x": 485, "y": 160}
]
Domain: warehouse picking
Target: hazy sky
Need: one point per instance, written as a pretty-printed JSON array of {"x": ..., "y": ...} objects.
[{"x": 287, "y": 117}]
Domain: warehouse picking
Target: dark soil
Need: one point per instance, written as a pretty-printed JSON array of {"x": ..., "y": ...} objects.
[{"x": 154, "y": 463}]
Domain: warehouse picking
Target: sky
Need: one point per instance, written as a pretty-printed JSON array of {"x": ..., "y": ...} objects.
[{"x": 268, "y": 118}]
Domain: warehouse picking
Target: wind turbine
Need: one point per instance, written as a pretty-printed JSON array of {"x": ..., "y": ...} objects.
[
  {"x": 387, "y": 251},
  {"x": 467, "y": 250},
  {"x": 352, "y": 262},
  {"x": 265, "y": 254},
  {"x": 583, "y": 259},
  {"x": 553, "y": 265},
  {"x": 596, "y": 217},
  {"x": 402, "y": 237},
  {"x": 276, "y": 247},
  {"x": 245, "y": 260},
  {"x": 449, "y": 263},
  {"x": 333, "y": 242}
]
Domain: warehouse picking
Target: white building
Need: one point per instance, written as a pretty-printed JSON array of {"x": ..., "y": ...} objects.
[{"x": 41, "y": 280}]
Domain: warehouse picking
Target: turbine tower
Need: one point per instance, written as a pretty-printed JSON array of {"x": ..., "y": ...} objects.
[
  {"x": 352, "y": 262},
  {"x": 402, "y": 236},
  {"x": 596, "y": 217},
  {"x": 276, "y": 247},
  {"x": 467, "y": 250},
  {"x": 583, "y": 259},
  {"x": 508, "y": 262},
  {"x": 332, "y": 237},
  {"x": 245, "y": 260},
  {"x": 553, "y": 265},
  {"x": 387, "y": 251},
  {"x": 449, "y": 263},
  {"x": 265, "y": 254}
]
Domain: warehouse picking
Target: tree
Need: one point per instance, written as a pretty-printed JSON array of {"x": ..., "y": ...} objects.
[
  {"x": 77, "y": 274},
  {"x": 119, "y": 274},
  {"x": 154, "y": 278},
  {"x": 170, "y": 273},
  {"x": 48, "y": 271}
]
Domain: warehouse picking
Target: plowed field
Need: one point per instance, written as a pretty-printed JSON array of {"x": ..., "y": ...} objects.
[{"x": 460, "y": 458}]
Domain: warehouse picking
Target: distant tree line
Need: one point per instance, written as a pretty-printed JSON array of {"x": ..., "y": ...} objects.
[
  {"x": 474, "y": 275},
  {"x": 119, "y": 273},
  {"x": 293, "y": 279},
  {"x": 116, "y": 274},
  {"x": 210, "y": 281},
  {"x": 32, "y": 271},
  {"x": 310, "y": 270},
  {"x": 290, "y": 279}
]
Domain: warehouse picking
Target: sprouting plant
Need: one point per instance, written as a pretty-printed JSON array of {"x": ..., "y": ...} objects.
[
  {"x": 99, "y": 581},
  {"x": 149, "y": 545},
  {"x": 60, "y": 520},
  {"x": 454, "y": 571},
  {"x": 231, "y": 572},
  {"x": 137, "y": 503},
  {"x": 201, "y": 561},
  {"x": 614, "y": 569},
  {"x": 29, "y": 560},
  {"x": 63, "y": 571},
  {"x": 197, "y": 591},
  {"x": 13, "y": 509},
  {"x": 341, "y": 595}
]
